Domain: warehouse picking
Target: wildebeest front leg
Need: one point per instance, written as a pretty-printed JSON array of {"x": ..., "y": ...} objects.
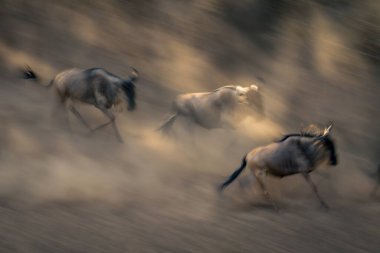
[
  {"x": 308, "y": 179},
  {"x": 79, "y": 116},
  {"x": 112, "y": 121},
  {"x": 265, "y": 192}
]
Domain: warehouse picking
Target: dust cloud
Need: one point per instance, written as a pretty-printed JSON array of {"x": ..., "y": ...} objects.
[{"x": 64, "y": 190}]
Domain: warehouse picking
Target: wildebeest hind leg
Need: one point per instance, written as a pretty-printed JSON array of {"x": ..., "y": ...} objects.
[
  {"x": 265, "y": 192},
  {"x": 308, "y": 179},
  {"x": 248, "y": 181},
  {"x": 61, "y": 110},
  {"x": 118, "y": 136},
  {"x": 168, "y": 124}
]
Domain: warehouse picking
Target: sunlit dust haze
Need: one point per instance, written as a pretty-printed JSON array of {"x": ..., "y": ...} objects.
[{"x": 64, "y": 190}]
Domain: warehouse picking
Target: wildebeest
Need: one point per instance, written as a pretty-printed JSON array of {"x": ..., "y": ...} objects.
[
  {"x": 216, "y": 108},
  {"x": 94, "y": 86},
  {"x": 293, "y": 154}
]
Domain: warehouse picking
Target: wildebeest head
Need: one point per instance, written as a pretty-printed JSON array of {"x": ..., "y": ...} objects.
[
  {"x": 328, "y": 143},
  {"x": 252, "y": 97},
  {"x": 128, "y": 87}
]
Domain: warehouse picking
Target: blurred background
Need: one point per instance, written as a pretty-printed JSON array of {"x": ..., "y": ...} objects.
[{"x": 69, "y": 192}]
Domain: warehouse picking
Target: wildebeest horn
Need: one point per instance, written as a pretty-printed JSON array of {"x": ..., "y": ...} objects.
[
  {"x": 135, "y": 74},
  {"x": 328, "y": 129}
]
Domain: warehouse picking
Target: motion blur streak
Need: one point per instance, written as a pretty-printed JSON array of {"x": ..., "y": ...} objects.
[{"x": 69, "y": 192}]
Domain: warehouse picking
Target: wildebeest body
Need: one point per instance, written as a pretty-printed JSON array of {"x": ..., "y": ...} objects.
[
  {"x": 205, "y": 109},
  {"x": 216, "y": 109},
  {"x": 91, "y": 86},
  {"x": 94, "y": 86},
  {"x": 293, "y": 154}
]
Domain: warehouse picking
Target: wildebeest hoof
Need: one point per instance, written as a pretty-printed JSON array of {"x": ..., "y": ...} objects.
[{"x": 325, "y": 206}]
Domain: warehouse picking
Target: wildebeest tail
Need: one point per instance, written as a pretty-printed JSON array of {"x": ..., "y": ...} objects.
[
  {"x": 28, "y": 73},
  {"x": 167, "y": 125},
  {"x": 235, "y": 174}
]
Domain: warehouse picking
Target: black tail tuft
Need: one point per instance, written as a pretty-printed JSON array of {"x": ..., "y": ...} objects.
[
  {"x": 234, "y": 175},
  {"x": 28, "y": 73}
]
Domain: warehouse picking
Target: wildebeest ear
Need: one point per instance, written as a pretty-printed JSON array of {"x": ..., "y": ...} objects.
[
  {"x": 328, "y": 129},
  {"x": 239, "y": 88}
]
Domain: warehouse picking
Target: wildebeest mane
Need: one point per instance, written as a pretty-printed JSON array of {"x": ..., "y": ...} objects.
[
  {"x": 232, "y": 87},
  {"x": 284, "y": 137},
  {"x": 311, "y": 131}
]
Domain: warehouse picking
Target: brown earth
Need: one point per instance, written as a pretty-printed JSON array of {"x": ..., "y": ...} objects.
[{"x": 70, "y": 192}]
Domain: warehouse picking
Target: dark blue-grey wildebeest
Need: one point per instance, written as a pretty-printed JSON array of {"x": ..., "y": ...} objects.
[
  {"x": 294, "y": 153},
  {"x": 95, "y": 86},
  {"x": 215, "y": 109}
]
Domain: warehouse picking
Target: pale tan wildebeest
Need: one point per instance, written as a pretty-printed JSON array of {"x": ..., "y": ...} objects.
[
  {"x": 215, "y": 109},
  {"x": 293, "y": 154}
]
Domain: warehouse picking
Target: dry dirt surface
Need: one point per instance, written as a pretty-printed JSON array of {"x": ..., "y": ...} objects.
[{"x": 67, "y": 191}]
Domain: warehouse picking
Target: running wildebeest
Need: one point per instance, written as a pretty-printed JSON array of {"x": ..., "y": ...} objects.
[
  {"x": 214, "y": 109},
  {"x": 94, "y": 86},
  {"x": 294, "y": 153}
]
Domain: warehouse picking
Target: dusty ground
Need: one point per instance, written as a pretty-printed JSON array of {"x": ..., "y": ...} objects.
[{"x": 69, "y": 192}]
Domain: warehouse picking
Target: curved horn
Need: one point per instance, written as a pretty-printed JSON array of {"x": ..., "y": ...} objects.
[
  {"x": 328, "y": 129},
  {"x": 135, "y": 74}
]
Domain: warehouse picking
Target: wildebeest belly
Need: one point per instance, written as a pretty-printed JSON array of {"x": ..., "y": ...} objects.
[
  {"x": 281, "y": 173},
  {"x": 284, "y": 162},
  {"x": 204, "y": 114},
  {"x": 207, "y": 120}
]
